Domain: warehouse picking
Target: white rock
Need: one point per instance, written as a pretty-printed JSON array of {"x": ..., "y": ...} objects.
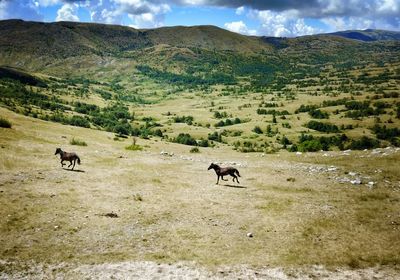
[
  {"x": 299, "y": 153},
  {"x": 249, "y": 234},
  {"x": 352, "y": 173},
  {"x": 356, "y": 181}
]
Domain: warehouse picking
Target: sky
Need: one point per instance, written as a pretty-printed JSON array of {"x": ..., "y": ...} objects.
[{"x": 279, "y": 18}]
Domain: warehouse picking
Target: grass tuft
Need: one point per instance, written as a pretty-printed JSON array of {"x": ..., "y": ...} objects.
[
  {"x": 134, "y": 146},
  {"x": 5, "y": 123},
  {"x": 77, "y": 142}
]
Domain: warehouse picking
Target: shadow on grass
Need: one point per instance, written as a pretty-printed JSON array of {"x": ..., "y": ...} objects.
[
  {"x": 234, "y": 186},
  {"x": 75, "y": 170}
]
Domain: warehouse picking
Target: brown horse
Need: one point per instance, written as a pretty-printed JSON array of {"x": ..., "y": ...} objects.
[
  {"x": 223, "y": 171},
  {"x": 71, "y": 157}
]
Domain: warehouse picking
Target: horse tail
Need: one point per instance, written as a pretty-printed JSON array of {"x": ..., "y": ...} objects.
[
  {"x": 237, "y": 173},
  {"x": 79, "y": 160}
]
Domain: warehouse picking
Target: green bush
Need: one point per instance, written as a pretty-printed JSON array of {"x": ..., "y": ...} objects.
[
  {"x": 77, "y": 142},
  {"x": 186, "y": 139},
  {"x": 257, "y": 130},
  {"x": 134, "y": 147},
  {"x": 5, "y": 123},
  {"x": 194, "y": 150}
]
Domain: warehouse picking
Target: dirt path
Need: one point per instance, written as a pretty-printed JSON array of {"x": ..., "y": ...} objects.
[{"x": 152, "y": 270}]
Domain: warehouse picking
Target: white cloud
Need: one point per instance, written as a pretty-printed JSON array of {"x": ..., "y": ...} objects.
[
  {"x": 141, "y": 13},
  {"x": 240, "y": 10},
  {"x": 68, "y": 12},
  {"x": 239, "y": 27},
  {"x": 283, "y": 24}
]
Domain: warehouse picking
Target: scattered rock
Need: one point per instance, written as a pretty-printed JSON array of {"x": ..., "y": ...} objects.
[
  {"x": 249, "y": 234},
  {"x": 164, "y": 153},
  {"x": 291, "y": 179},
  {"x": 356, "y": 181},
  {"x": 299, "y": 153}
]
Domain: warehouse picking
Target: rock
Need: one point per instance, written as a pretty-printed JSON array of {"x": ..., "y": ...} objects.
[
  {"x": 356, "y": 181},
  {"x": 332, "y": 168},
  {"x": 299, "y": 153},
  {"x": 249, "y": 234},
  {"x": 371, "y": 184},
  {"x": 111, "y": 215},
  {"x": 352, "y": 173}
]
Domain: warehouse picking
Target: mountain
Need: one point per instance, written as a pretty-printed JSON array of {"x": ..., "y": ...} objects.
[
  {"x": 76, "y": 49},
  {"x": 368, "y": 35}
]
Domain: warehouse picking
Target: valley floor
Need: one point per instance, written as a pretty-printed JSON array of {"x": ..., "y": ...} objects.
[{"x": 157, "y": 213}]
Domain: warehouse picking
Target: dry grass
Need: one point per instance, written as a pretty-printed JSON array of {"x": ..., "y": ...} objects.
[{"x": 169, "y": 208}]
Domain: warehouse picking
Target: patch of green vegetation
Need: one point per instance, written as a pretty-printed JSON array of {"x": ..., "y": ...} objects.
[
  {"x": 194, "y": 150},
  {"x": 5, "y": 123},
  {"x": 78, "y": 142}
]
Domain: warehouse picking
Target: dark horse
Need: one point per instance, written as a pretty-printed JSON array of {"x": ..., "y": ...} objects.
[
  {"x": 223, "y": 171},
  {"x": 71, "y": 157}
]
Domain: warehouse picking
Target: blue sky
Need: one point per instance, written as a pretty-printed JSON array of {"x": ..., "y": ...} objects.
[{"x": 285, "y": 18}]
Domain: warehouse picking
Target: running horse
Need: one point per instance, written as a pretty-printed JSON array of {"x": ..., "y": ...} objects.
[
  {"x": 224, "y": 171},
  {"x": 71, "y": 157}
]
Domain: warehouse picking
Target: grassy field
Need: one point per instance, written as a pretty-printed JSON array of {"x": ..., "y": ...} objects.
[{"x": 123, "y": 205}]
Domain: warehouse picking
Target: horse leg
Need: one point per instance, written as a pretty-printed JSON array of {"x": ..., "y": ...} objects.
[
  {"x": 62, "y": 164},
  {"x": 217, "y": 179},
  {"x": 222, "y": 177},
  {"x": 70, "y": 163},
  {"x": 74, "y": 164}
]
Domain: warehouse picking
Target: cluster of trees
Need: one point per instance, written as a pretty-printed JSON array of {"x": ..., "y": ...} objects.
[
  {"x": 187, "y": 80},
  {"x": 184, "y": 119},
  {"x": 389, "y": 134},
  {"x": 187, "y": 139},
  {"x": 323, "y": 127},
  {"x": 220, "y": 115},
  {"x": 310, "y": 143},
  {"x": 228, "y": 122},
  {"x": 318, "y": 114},
  {"x": 274, "y": 112}
]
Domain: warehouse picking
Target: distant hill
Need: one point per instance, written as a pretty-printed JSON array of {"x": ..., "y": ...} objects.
[
  {"x": 368, "y": 35},
  {"x": 65, "y": 48}
]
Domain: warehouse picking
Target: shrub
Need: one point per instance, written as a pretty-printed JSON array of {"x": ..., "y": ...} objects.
[
  {"x": 186, "y": 139},
  {"x": 134, "y": 146},
  {"x": 195, "y": 150},
  {"x": 79, "y": 121},
  {"x": 257, "y": 130},
  {"x": 77, "y": 142},
  {"x": 5, "y": 123},
  {"x": 215, "y": 136},
  {"x": 184, "y": 119},
  {"x": 318, "y": 114},
  {"x": 310, "y": 146}
]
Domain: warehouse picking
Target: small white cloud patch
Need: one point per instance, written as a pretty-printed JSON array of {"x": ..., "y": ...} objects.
[
  {"x": 239, "y": 27},
  {"x": 68, "y": 12}
]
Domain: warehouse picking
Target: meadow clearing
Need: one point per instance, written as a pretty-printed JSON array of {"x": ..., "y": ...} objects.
[{"x": 158, "y": 211}]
